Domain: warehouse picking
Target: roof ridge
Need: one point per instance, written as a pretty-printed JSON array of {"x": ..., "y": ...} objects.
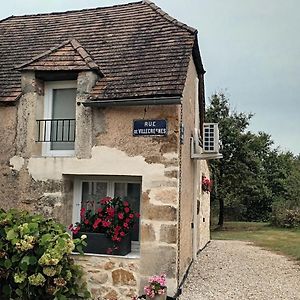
[
  {"x": 73, "y": 10},
  {"x": 86, "y": 57},
  {"x": 5, "y": 19},
  {"x": 162, "y": 13}
]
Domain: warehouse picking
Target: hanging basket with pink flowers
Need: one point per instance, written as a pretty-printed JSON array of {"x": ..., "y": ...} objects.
[
  {"x": 206, "y": 184},
  {"x": 156, "y": 288}
]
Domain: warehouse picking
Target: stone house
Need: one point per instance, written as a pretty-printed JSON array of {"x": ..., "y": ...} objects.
[{"x": 73, "y": 88}]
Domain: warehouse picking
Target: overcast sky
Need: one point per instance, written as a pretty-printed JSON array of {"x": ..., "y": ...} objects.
[{"x": 250, "y": 48}]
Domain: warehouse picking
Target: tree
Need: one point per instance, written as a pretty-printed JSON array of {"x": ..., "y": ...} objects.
[
  {"x": 239, "y": 176},
  {"x": 253, "y": 181},
  {"x": 231, "y": 126}
]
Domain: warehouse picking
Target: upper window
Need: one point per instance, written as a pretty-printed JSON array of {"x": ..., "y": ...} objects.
[{"x": 57, "y": 129}]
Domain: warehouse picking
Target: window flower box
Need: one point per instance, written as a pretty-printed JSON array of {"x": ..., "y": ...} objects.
[
  {"x": 107, "y": 228},
  {"x": 99, "y": 243}
]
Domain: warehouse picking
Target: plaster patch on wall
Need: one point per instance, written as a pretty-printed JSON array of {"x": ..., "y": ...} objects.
[
  {"x": 166, "y": 196},
  {"x": 17, "y": 163},
  {"x": 170, "y": 155},
  {"x": 104, "y": 161}
]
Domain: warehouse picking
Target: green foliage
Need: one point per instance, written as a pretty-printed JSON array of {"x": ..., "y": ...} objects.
[
  {"x": 252, "y": 176},
  {"x": 35, "y": 261},
  {"x": 285, "y": 217},
  {"x": 286, "y": 202}
]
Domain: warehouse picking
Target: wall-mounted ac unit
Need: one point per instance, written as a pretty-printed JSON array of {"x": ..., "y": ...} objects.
[
  {"x": 211, "y": 142},
  {"x": 210, "y": 146}
]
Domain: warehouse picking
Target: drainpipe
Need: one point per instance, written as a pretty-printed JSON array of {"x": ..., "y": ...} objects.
[{"x": 195, "y": 216}]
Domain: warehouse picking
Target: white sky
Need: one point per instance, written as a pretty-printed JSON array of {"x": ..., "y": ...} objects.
[{"x": 250, "y": 48}]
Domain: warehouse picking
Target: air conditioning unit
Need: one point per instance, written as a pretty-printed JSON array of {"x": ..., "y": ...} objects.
[
  {"x": 209, "y": 147},
  {"x": 211, "y": 142}
]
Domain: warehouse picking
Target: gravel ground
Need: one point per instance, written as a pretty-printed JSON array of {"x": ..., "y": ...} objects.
[{"x": 237, "y": 270}]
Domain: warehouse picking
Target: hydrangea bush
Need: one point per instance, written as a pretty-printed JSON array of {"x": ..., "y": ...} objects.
[{"x": 35, "y": 260}]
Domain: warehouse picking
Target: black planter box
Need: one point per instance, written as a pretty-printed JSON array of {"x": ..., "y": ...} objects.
[{"x": 99, "y": 243}]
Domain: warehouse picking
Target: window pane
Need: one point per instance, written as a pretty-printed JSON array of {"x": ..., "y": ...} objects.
[
  {"x": 133, "y": 196},
  {"x": 63, "y": 107},
  {"x": 92, "y": 192},
  {"x": 130, "y": 192},
  {"x": 120, "y": 189}
]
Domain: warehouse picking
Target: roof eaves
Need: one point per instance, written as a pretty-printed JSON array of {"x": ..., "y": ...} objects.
[
  {"x": 169, "y": 18},
  {"x": 9, "y": 100},
  {"x": 197, "y": 57},
  {"x": 135, "y": 101}
]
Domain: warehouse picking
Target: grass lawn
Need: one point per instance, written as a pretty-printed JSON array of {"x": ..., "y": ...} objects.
[{"x": 284, "y": 241}]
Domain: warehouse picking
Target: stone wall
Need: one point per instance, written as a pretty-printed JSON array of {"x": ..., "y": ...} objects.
[
  {"x": 8, "y": 123},
  {"x": 113, "y": 129},
  {"x": 111, "y": 278},
  {"x": 8, "y": 186}
]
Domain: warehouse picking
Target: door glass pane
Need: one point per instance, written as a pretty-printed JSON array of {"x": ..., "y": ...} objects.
[
  {"x": 92, "y": 193},
  {"x": 63, "y": 109}
]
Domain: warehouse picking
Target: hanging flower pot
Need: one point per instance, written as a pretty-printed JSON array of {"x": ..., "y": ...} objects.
[
  {"x": 206, "y": 184},
  {"x": 156, "y": 288},
  {"x": 158, "y": 297}
]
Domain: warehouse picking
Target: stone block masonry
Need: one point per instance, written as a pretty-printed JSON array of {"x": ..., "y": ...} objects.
[{"x": 111, "y": 278}]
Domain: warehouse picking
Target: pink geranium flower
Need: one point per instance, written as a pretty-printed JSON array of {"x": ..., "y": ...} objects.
[{"x": 156, "y": 286}]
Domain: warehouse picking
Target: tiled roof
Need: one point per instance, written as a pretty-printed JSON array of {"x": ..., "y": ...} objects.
[
  {"x": 140, "y": 50},
  {"x": 68, "y": 56}
]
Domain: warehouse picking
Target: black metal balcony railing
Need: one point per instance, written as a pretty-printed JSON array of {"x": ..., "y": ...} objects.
[{"x": 55, "y": 130}]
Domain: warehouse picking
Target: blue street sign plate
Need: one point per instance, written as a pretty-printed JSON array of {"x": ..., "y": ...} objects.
[{"x": 150, "y": 128}]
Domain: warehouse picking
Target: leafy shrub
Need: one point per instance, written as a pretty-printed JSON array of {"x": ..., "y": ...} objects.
[
  {"x": 35, "y": 261},
  {"x": 285, "y": 216}
]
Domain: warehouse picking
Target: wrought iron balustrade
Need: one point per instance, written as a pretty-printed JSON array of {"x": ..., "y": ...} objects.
[{"x": 55, "y": 130}]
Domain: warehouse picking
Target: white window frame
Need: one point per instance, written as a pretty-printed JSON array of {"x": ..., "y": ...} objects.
[
  {"x": 48, "y": 104},
  {"x": 110, "y": 180}
]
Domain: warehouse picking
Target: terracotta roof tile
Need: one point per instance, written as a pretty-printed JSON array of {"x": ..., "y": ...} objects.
[
  {"x": 68, "y": 56},
  {"x": 141, "y": 51}
]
